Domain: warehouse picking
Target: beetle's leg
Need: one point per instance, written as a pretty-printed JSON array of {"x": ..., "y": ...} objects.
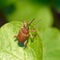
[
  {"x": 15, "y": 37},
  {"x": 25, "y": 43},
  {"x": 33, "y": 34},
  {"x": 31, "y": 37},
  {"x": 34, "y": 30}
]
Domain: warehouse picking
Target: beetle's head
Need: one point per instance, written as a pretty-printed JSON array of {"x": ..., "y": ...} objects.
[{"x": 25, "y": 25}]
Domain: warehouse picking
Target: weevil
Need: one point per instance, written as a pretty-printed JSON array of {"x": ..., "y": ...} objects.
[{"x": 23, "y": 34}]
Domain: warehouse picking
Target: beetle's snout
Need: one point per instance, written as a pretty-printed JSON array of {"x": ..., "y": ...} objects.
[{"x": 25, "y": 24}]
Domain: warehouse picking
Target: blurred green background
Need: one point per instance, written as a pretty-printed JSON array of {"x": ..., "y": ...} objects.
[{"x": 47, "y": 20}]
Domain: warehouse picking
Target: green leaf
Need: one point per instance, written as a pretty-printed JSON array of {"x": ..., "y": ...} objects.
[
  {"x": 51, "y": 44},
  {"x": 9, "y": 48},
  {"x": 26, "y": 11}
]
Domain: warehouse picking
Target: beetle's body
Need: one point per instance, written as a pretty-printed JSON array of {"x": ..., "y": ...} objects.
[{"x": 24, "y": 33}]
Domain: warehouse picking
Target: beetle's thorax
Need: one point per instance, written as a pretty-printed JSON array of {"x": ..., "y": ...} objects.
[{"x": 25, "y": 30}]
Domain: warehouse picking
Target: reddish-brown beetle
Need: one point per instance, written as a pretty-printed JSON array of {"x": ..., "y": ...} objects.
[{"x": 24, "y": 33}]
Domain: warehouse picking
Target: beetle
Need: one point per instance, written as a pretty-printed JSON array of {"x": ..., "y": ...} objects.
[{"x": 23, "y": 34}]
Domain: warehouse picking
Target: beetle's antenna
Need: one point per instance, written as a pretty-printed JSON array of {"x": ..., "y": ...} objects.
[{"x": 31, "y": 22}]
